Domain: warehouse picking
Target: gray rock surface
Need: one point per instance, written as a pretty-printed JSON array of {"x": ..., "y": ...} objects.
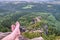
[
  {"x": 39, "y": 38},
  {"x": 2, "y": 35}
]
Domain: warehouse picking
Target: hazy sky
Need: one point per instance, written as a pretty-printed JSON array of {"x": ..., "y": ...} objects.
[{"x": 24, "y": 0}]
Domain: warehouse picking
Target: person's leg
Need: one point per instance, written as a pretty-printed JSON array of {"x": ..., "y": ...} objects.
[
  {"x": 14, "y": 34},
  {"x": 12, "y": 29}
]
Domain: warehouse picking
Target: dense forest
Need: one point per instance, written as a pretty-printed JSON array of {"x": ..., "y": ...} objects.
[{"x": 24, "y": 12}]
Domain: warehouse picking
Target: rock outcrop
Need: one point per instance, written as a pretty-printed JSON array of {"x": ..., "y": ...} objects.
[
  {"x": 39, "y": 38},
  {"x": 2, "y": 35}
]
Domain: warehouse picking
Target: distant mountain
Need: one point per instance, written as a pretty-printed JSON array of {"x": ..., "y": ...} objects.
[
  {"x": 23, "y": 6},
  {"x": 29, "y": 0},
  {"x": 56, "y": 0},
  {"x": 29, "y": 6}
]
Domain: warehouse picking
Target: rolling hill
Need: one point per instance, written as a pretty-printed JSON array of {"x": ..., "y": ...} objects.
[{"x": 25, "y": 12}]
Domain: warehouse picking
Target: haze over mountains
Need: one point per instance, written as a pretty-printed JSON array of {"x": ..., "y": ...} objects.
[
  {"x": 23, "y": 5},
  {"x": 29, "y": 0},
  {"x": 36, "y": 1}
]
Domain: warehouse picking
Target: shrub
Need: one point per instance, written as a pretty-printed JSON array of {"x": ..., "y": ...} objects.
[
  {"x": 31, "y": 35},
  {"x": 48, "y": 37}
]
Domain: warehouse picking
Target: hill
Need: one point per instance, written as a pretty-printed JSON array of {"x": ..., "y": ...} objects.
[{"x": 27, "y": 12}]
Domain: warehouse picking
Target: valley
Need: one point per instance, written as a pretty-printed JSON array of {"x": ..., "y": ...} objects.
[{"x": 32, "y": 16}]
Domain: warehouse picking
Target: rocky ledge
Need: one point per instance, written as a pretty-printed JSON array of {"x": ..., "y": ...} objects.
[{"x": 2, "y": 35}]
